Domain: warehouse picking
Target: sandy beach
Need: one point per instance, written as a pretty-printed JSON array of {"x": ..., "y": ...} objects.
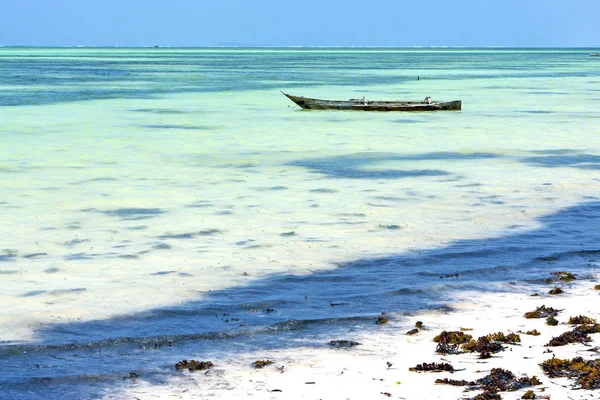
[{"x": 379, "y": 366}]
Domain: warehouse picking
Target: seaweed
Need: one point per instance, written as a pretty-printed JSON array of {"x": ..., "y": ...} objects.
[
  {"x": 580, "y": 334},
  {"x": 487, "y": 396},
  {"x": 501, "y": 337},
  {"x": 555, "y": 290},
  {"x": 343, "y": 343},
  {"x": 498, "y": 380},
  {"x": 586, "y": 373},
  {"x": 444, "y": 348},
  {"x": 483, "y": 345},
  {"x": 534, "y": 332},
  {"x": 454, "y": 382},
  {"x": 564, "y": 276},
  {"x": 258, "y": 364},
  {"x": 551, "y": 321},
  {"x": 529, "y": 395},
  {"x": 433, "y": 367},
  {"x": 412, "y": 331},
  {"x": 542, "y": 312},
  {"x": 452, "y": 337},
  {"x": 419, "y": 324},
  {"x": 382, "y": 320},
  {"x": 581, "y": 319},
  {"x": 597, "y": 287},
  {"x": 194, "y": 365}
]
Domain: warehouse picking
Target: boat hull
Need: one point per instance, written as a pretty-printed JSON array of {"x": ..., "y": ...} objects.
[{"x": 362, "y": 105}]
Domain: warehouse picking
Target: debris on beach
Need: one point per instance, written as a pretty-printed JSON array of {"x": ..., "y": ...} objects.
[
  {"x": 193, "y": 365},
  {"x": 528, "y": 395},
  {"x": 343, "y": 343},
  {"x": 452, "y": 337},
  {"x": 432, "y": 367},
  {"x": 382, "y": 319},
  {"x": 586, "y": 373},
  {"x": 580, "y": 320},
  {"x": 449, "y": 341},
  {"x": 533, "y": 332},
  {"x": 564, "y": 276},
  {"x": 419, "y": 324},
  {"x": 542, "y": 312},
  {"x": 580, "y": 334},
  {"x": 483, "y": 346},
  {"x": 551, "y": 321},
  {"x": 258, "y": 364},
  {"x": 499, "y": 380},
  {"x": 597, "y": 287},
  {"x": 555, "y": 290},
  {"x": 413, "y": 331}
]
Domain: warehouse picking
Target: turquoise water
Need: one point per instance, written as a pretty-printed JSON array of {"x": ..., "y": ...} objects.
[{"x": 156, "y": 195}]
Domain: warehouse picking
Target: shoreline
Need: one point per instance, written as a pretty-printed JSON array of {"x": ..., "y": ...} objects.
[{"x": 379, "y": 366}]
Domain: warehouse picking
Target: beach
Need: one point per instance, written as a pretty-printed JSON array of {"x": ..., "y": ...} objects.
[
  {"x": 169, "y": 204},
  {"x": 379, "y": 366}
]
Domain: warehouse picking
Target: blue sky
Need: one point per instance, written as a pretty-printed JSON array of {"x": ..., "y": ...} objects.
[{"x": 513, "y": 23}]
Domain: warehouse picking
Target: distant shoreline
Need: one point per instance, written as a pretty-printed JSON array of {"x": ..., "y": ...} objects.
[{"x": 487, "y": 48}]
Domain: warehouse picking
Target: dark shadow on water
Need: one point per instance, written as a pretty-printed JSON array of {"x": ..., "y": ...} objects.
[
  {"x": 558, "y": 160},
  {"x": 351, "y": 165},
  {"x": 285, "y": 311}
]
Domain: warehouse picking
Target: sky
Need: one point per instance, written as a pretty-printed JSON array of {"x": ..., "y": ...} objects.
[{"x": 194, "y": 23}]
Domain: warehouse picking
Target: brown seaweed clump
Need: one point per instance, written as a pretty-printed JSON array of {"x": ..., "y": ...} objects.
[
  {"x": 564, "y": 276},
  {"x": 258, "y": 364},
  {"x": 555, "y": 290},
  {"x": 419, "y": 324},
  {"x": 484, "y": 346},
  {"x": 433, "y": 367},
  {"x": 586, "y": 373},
  {"x": 528, "y": 395},
  {"x": 449, "y": 341},
  {"x": 487, "y": 396},
  {"x": 580, "y": 320},
  {"x": 580, "y": 334},
  {"x": 194, "y": 365},
  {"x": 382, "y": 320},
  {"x": 542, "y": 312},
  {"x": 452, "y": 337},
  {"x": 511, "y": 338},
  {"x": 413, "y": 331},
  {"x": 597, "y": 287},
  {"x": 551, "y": 321},
  {"x": 499, "y": 380},
  {"x": 343, "y": 343},
  {"x": 534, "y": 332}
]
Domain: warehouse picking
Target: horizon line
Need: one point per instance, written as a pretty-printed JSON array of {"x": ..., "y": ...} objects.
[{"x": 225, "y": 46}]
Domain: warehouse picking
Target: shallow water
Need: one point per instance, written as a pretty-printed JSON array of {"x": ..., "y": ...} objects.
[{"x": 156, "y": 195}]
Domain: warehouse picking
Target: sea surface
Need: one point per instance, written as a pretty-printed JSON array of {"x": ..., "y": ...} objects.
[{"x": 158, "y": 203}]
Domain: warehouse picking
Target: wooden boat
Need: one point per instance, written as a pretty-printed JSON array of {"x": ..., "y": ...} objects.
[{"x": 372, "y": 105}]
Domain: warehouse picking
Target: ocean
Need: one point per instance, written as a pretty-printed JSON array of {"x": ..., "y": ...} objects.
[{"x": 161, "y": 204}]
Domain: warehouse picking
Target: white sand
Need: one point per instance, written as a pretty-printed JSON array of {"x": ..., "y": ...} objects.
[{"x": 362, "y": 372}]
